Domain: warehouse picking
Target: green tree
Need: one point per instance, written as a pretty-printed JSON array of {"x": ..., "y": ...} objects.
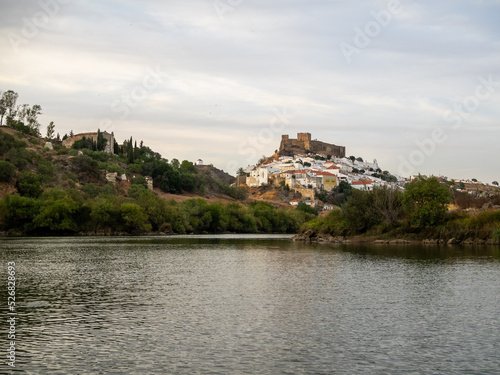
[
  {"x": 32, "y": 119},
  {"x": 135, "y": 218},
  {"x": 19, "y": 212},
  {"x": 7, "y": 104},
  {"x": 307, "y": 209},
  {"x": 29, "y": 185},
  {"x": 50, "y": 130},
  {"x": 139, "y": 180},
  {"x": 345, "y": 188},
  {"x": 57, "y": 211},
  {"x": 189, "y": 167},
  {"x": 425, "y": 200},
  {"x": 7, "y": 171}
]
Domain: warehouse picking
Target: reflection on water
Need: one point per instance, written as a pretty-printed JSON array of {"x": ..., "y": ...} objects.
[{"x": 236, "y": 304}]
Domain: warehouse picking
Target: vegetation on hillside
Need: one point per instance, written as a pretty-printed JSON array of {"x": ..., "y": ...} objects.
[
  {"x": 64, "y": 191},
  {"x": 420, "y": 212}
]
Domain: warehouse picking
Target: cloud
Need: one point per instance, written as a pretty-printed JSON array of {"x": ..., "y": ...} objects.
[{"x": 225, "y": 77}]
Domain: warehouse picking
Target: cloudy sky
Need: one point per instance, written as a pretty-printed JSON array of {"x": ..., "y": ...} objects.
[{"x": 414, "y": 84}]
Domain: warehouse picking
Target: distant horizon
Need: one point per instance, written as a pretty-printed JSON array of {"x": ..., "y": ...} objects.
[{"x": 411, "y": 85}]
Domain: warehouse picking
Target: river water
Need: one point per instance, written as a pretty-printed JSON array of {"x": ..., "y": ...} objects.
[{"x": 249, "y": 305}]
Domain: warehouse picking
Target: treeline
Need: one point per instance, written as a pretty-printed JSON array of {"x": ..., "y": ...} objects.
[
  {"x": 23, "y": 117},
  {"x": 420, "y": 212},
  {"x": 98, "y": 210}
]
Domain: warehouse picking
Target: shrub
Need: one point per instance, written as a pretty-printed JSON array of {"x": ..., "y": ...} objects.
[
  {"x": 19, "y": 212},
  {"x": 29, "y": 185},
  {"x": 139, "y": 180},
  {"x": 307, "y": 209},
  {"x": 7, "y": 171},
  {"x": 45, "y": 170},
  {"x": 134, "y": 217},
  {"x": 62, "y": 151}
]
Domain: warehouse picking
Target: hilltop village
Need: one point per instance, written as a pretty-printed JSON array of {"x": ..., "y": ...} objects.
[{"x": 309, "y": 166}]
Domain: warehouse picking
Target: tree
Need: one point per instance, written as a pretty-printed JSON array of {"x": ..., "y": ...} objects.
[
  {"x": 474, "y": 180},
  {"x": 7, "y": 104},
  {"x": 71, "y": 134},
  {"x": 495, "y": 183},
  {"x": 353, "y": 158},
  {"x": 359, "y": 159},
  {"x": 345, "y": 188},
  {"x": 425, "y": 201},
  {"x": 21, "y": 113},
  {"x": 29, "y": 185},
  {"x": 50, "y": 131},
  {"x": 307, "y": 209},
  {"x": 7, "y": 171},
  {"x": 134, "y": 217},
  {"x": 241, "y": 172},
  {"x": 32, "y": 119}
]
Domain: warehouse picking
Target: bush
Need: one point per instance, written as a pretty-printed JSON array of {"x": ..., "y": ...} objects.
[
  {"x": 29, "y": 185},
  {"x": 62, "y": 151},
  {"x": 139, "y": 180},
  {"x": 19, "y": 157},
  {"x": 307, "y": 209},
  {"x": 134, "y": 217},
  {"x": 19, "y": 212},
  {"x": 425, "y": 201},
  {"x": 7, "y": 171},
  {"x": 45, "y": 170},
  {"x": 58, "y": 211}
]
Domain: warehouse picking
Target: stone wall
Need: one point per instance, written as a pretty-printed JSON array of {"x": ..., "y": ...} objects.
[
  {"x": 303, "y": 144},
  {"x": 110, "y": 140}
]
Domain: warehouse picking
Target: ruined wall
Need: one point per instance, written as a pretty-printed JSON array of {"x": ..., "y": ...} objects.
[
  {"x": 110, "y": 140},
  {"x": 303, "y": 143}
]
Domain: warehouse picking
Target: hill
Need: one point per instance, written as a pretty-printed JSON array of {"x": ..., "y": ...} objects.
[{"x": 46, "y": 188}]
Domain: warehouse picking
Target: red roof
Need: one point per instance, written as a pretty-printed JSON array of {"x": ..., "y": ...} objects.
[
  {"x": 362, "y": 182},
  {"x": 333, "y": 167}
]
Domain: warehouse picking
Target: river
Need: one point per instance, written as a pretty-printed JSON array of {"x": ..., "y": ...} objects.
[{"x": 249, "y": 305}]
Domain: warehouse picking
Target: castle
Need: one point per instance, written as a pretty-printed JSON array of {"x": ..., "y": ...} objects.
[
  {"x": 303, "y": 144},
  {"x": 110, "y": 140}
]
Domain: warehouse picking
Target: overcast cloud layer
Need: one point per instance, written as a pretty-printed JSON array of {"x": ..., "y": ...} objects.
[{"x": 222, "y": 80}]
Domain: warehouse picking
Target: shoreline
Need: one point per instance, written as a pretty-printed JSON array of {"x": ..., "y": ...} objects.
[
  {"x": 311, "y": 237},
  {"x": 306, "y": 237}
]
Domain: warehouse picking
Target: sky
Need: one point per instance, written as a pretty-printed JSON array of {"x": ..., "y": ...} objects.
[{"x": 413, "y": 84}]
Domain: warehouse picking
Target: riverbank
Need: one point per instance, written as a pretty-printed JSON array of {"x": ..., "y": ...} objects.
[{"x": 311, "y": 236}]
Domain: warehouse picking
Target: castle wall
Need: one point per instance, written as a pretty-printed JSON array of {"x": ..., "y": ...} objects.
[{"x": 303, "y": 143}]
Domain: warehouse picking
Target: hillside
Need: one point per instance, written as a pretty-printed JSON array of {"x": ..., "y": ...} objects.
[{"x": 51, "y": 189}]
